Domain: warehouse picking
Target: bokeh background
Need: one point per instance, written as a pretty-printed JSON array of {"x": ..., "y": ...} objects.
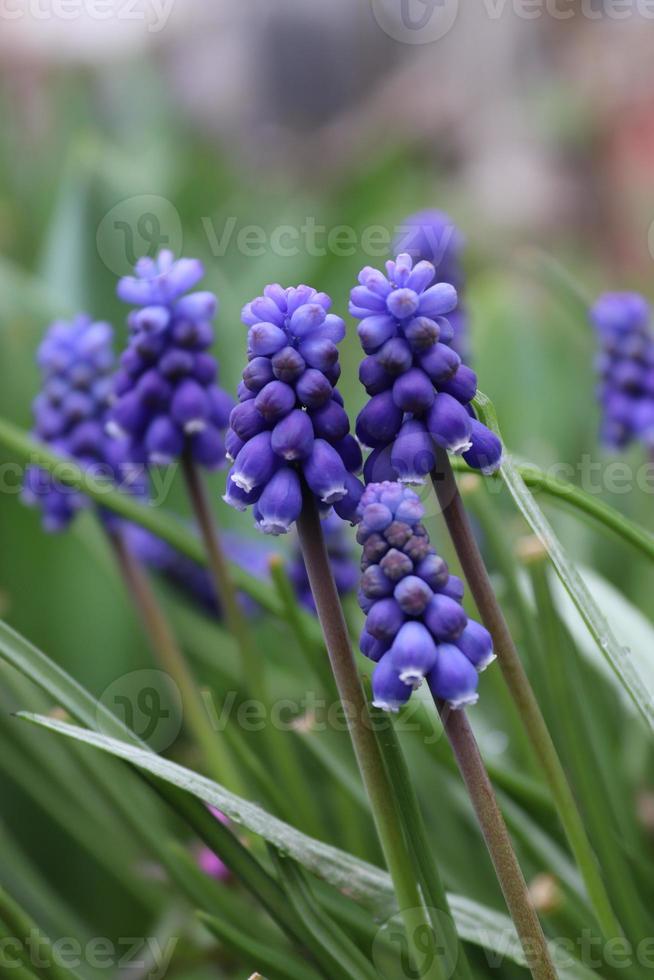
[{"x": 225, "y": 130}]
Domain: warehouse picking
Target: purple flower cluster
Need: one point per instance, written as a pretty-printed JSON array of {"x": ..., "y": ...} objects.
[
  {"x": 76, "y": 361},
  {"x": 341, "y": 558},
  {"x": 432, "y": 236},
  {"x": 188, "y": 576},
  {"x": 290, "y": 421},
  {"x": 416, "y": 626},
  {"x": 625, "y": 365},
  {"x": 167, "y": 401},
  {"x": 421, "y": 392}
]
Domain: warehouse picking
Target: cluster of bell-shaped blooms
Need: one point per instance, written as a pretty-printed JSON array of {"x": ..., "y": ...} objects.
[
  {"x": 416, "y": 626},
  {"x": 420, "y": 391},
  {"x": 625, "y": 365},
  {"x": 432, "y": 236},
  {"x": 341, "y": 559},
  {"x": 76, "y": 362},
  {"x": 167, "y": 400},
  {"x": 290, "y": 424}
]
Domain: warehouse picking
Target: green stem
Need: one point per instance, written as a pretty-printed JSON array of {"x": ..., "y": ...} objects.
[
  {"x": 166, "y": 650},
  {"x": 426, "y": 869},
  {"x": 235, "y": 617},
  {"x": 491, "y": 821},
  {"x": 355, "y": 707},
  {"x": 517, "y": 681}
]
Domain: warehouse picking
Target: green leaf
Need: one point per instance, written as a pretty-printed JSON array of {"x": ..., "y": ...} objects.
[
  {"x": 280, "y": 964},
  {"x": 618, "y": 658},
  {"x": 366, "y": 884}
]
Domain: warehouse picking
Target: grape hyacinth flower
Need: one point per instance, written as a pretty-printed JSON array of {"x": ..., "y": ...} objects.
[
  {"x": 290, "y": 424},
  {"x": 625, "y": 365},
  {"x": 76, "y": 362},
  {"x": 167, "y": 400},
  {"x": 416, "y": 626},
  {"x": 432, "y": 236},
  {"x": 421, "y": 392},
  {"x": 207, "y": 860},
  {"x": 344, "y": 567},
  {"x": 191, "y": 578}
]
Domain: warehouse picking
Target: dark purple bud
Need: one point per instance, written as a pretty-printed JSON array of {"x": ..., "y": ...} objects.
[
  {"x": 403, "y": 303},
  {"x": 320, "y": 353},
  {"x": 378, "y": 467},
  {"x": 258, "y": 372},
  {"x": 280, "y": 503},
  {"x": 433, "y": 569},
  {"x": 153, "y": 390},
  {"x": 87, "y": 439},
  {"x": 288, "y": 365},
  {"x": 233, "y": 444},
  {"x": 413, "y": 392},
  {"x": 449, "y": 424},
  {"x": 477, "y": 644},
  {"x": 350, "y": 452},
  {"x": 77, "y": 405},
  {"x": 417, "y": 548},
  {"x": 265, "y": 339},
  {"x": 421, "y": 333},
  {"x": 365, "y": 603},
  {"x": 438, "y": 300},
  {"x": 377, "y": 516},
  {"x": 208, "y": 447},
  {"x": 373, "y": 376},
  {"x": 413, "y": 454},
  {"x": 330, "y": 421},
  {"x": 193, "y": 334},
  {"x": 325, "y": 473},
  {"x": 275, "y": 400},
  {"x": 453, "y": 588},
  {"x": 255, "y": 464},
  {"x": 246, "y": 420},
  {"x": 379, "y": 421},
  {"x": 375, "y": 331},
  {"x": 189, "y": 406},
  {"x": 485, "y": 454},
  {"x": 348, "y": 507},
  {"x": 175, "y": 363},
  {"x": 151, "y": 319},
  {"x": 396, "y": 565},
  {"x": 453, "y": 679},
  {"x": 374, "y": 549},
  {"x": 462, "y": 385},
  {"x": 292, "y": 438},
  {"x": 164, "y": 441},
  {"x": 128, "y": 416},
  {"x": 375, "y": 584},
  {"x": 306, "y": 319},
  {"x": 412, "y": 595},
  {"x": 243, "y": 393},
  {"x": 372, "y": 648},
  {"x": 445, "y": 617},
  {"x": 388, "y": 691},
  {"x": 313, "y": 389},
  {"x": 440, "y": 363},
  {"x": 395, "y": 356},
  {"x": 385, "y": 619},
  {"x": 413, "y": 653},
  {"x": 238, "y": 498},
  {"x": 398, "y": 533}
]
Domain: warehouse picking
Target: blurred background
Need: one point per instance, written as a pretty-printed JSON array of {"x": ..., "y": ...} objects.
[{"x": 287, "y": 142}]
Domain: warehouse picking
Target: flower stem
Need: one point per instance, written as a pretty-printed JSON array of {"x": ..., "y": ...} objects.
[
  {"x": 521, "y": 691},
  {"x": 491, "y": 821},
  {"x": 353, "y": 701},
  {"x": 235, "y": 618},
  {"x": 166, "y": 650}
]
